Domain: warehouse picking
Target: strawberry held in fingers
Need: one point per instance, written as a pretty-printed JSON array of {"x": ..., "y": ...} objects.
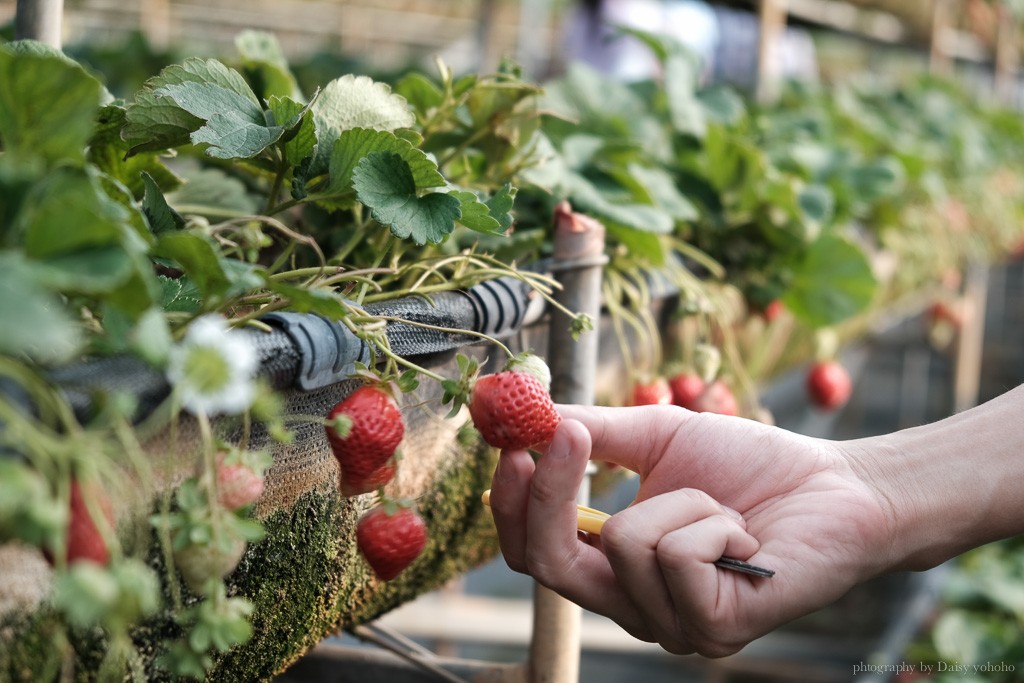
[
  {"x": 390, "y": 537},
  {"x": 364, "y": 431},
  {"x": 513, "y": 410}
]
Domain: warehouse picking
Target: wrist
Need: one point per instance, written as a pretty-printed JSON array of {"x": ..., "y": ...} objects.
[{"x": 948, "y": 486}]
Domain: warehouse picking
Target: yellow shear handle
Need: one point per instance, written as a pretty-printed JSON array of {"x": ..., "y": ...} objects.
[{"x": 587, "y": 519}]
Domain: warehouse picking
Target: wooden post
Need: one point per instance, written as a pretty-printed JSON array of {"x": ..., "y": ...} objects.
[
  {"x": 772, "y": 15},
  {"x": 578, "y": 260},
  {"x": 39, "y": 20},
  {"x": 1007, "y": 55},
  {"x": 971, "y": 339},
  {"x": 942, "y": 20},
  {"x": 155, "y": 20}
]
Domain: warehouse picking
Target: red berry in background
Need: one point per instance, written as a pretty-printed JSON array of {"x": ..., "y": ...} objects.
[
  {"x": 946, "y": 312},
  {"x": 651, "y": 392},
  {"x": 773, "y": 310},
  {"x": 829, "y": 385},
  {"x": 718, "y": 398},
  {"x": 686, "y": 387},
  {"x": 513, "y": 410},
  {"x": 238, "y": 485},
  {"x": 390, "y": 541},
  {"x": 84, "y": 540},
  {"x": 375, "y": 428}
]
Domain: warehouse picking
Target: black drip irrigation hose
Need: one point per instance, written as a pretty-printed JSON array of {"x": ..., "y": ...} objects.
[{"x": 306, "y": 351}]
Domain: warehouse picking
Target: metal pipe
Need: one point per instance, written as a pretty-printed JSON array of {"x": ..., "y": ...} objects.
[{"x": 39, "y": 20}]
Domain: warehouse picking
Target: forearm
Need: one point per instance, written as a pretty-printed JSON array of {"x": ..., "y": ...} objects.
[{"x": 951, "y": 485}]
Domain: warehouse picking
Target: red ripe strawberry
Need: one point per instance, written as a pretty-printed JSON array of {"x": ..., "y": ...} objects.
[
  {"x": 513, "y": 410},
  {"x": 651, "y": 392},
  {"x": 829, "y": 385},
  {"x": 718, "y": 398},
  {"x": 375, "y": 428},
  {"x": 390, "y": 541},
  {"x": 238, "y": 485},
  {"x": 686, "y": 387},
  {"x": 84, "y": 539}
]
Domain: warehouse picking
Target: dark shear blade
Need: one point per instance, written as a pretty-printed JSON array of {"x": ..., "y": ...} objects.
[{"x": 739, "y": 566}]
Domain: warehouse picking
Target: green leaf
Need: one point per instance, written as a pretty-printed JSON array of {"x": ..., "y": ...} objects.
[
  {"x": 422, "y": 93},
  {"x": 211, "y": 192},
  {"x": 107, "y": 150},
  {"x": 500, "y": 205},
  {"x": 355, "y": 102},
  {"x": 300, "y": 131},
  {"x": 384, "y": 182},
  {"x": 818, "y": 203},
  {"x": 156, "y": 120},
  {"x": 263, "y": 59},
  {"x": 179, "y": 294},
  {"x": 475, "y": 214},
  {"x": 722, "y": 105},
  {"x": 69, "y": 211},
  {"x": 35, "y": 322},
  {"x": 96, "y": 270},
  {"x": 198, "y": 257},
  {"x": 831, "y": 283},
  {"x": 663, "y": 191},
  {"x": 353, "y": 146},
  {"x": 643, "y": 245},
  {"x": 236, "y": 128},
  {"x": 304, "y": 300},
  {"x": 685, "y": 111},
  {"x": 48, "y": 106},
  {"x": 162, "y": 218},
  {"x": 586, "y": 197},
  {"x": 232, "y": 136}
]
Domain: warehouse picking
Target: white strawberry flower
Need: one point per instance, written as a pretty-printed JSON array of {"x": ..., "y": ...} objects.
[{"x": 212, "y": 368}]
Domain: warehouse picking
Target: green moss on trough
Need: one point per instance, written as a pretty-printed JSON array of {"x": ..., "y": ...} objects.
[{"x": 305, "y": 578}]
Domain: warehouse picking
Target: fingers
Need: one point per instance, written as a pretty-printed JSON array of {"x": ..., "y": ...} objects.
[
  {"x": 634, "y": 437},
  {"x": 535, "y": 513},
  {"x": 510, "y": 490},
  {"x": 635, "y": 539}
]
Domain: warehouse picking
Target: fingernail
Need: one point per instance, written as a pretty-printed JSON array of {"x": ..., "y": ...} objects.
[
  {"x": 559, "y": 447},
  {"x": 733, "y": 513},
  {"x": 503, "y": 471}
]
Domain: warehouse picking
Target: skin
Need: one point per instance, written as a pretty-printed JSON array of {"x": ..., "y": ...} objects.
[{"x": 824, "y": 514}]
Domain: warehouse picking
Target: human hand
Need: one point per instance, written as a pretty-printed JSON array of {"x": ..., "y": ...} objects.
[{"x": 711, "y": 485}]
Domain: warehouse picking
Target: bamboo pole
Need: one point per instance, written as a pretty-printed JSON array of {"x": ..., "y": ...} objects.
[
  {"x": 39, "y": 20},
  {"x": 772, "y": 15},
  {"x": 939, "y": 61},
  {"x": 578, "y": 259},
  {"x": 1007, "y": 55}
]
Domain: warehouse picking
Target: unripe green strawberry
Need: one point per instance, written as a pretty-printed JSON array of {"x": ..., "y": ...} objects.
[
  {"x": 390, "y": 537},
  {"x": 533, "y": 364},
  {"x": 374, "y": 430},
  {"x": 199, "y": 562},
  {"x": 513, "y": 410}
]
